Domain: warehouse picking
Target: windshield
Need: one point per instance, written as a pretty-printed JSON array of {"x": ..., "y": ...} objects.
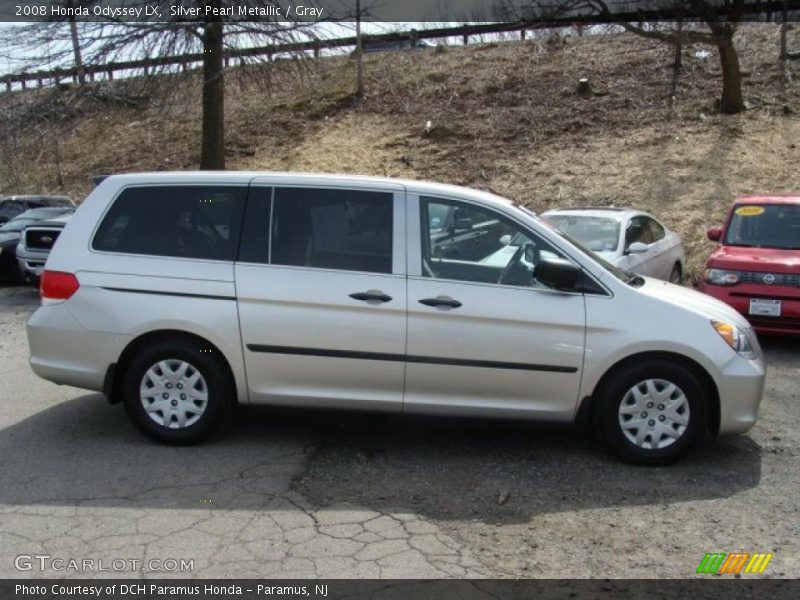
[
  {"x": 16, "y": 225},
  {"x": 765, "y": 226},
  {"x": 599, "y": 234},
  {"x": 624, "y": 276}
]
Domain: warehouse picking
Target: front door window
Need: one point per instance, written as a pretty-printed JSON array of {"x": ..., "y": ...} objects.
[{"x": 463, "y": 242}]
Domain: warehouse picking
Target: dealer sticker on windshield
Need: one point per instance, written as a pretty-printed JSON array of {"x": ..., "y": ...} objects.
[
  {"x": 765, "y": 308},
  {"x": 750, "y": 211}
]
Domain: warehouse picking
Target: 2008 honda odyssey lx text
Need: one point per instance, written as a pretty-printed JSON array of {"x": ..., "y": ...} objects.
[{"x": 181, "y": 293}]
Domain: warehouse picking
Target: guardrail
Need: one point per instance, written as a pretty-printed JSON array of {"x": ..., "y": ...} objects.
[
  {"x": 764, "y": 9},
  {"x": 316, "y": 46}
]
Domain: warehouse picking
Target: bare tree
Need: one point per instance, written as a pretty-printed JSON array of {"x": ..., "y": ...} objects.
[
  {"x": 720, "y": 17},
  {"x": 205, "y": 26},
  {"x": 722, "y": 20}
]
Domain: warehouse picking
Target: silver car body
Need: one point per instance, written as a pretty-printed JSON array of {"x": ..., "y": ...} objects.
[
  {"x": 294, "y": 336},
  {"x": 658, "y": 258}
]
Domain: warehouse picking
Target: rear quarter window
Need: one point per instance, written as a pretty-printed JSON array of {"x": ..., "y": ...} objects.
[{"x": 176, "y": 221}]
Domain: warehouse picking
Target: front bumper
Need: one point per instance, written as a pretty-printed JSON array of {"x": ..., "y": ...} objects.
[
  {"x": 738, "y": 297},
  {"x": 741, "y": 388},
  {"x": 31, "y": 262},
  {"x": 64, "y": 352}
]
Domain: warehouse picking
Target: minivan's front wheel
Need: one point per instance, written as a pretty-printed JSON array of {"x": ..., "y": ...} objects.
[
  {"x": 175, "y": 392},
  {"x": 652, "y": 412}
]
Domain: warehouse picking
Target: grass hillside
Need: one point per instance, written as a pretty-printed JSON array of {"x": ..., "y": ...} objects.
[{"x": 504, "y": 117}]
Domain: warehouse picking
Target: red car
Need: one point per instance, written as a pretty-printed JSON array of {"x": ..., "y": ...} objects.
[{"x": 756, "y": 265}]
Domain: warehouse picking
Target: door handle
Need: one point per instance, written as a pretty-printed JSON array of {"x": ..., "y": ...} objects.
[
  {"x": 441, "y": 301},
  {"x": 371, "y": 295}
]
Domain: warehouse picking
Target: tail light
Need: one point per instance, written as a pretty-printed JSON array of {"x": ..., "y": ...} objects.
[{"x": 57, "y": 286}]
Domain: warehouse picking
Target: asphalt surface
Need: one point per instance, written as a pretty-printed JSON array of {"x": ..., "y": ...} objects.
[{"x": 324, "y": 494}]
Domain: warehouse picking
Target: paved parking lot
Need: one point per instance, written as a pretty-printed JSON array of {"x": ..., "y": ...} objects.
[{"x": 302, "y": 494}]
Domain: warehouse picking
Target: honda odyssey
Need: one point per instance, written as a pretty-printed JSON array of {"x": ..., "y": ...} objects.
[{"x": 180, "y": 294}]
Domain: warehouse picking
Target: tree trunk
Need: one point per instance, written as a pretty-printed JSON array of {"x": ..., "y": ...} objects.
[
  {"x": 732, "y": 101},
  {"x": 76, "y": 49},
  {"x": 212, "y": 155},
  {"x": 784, "y": 30},
  {"x": 677, "y": 64},
  {"x": 359, "y": 53}
]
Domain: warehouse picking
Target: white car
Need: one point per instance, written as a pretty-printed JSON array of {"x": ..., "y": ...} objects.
[
  {"x": 379, "y": 294},
  {"x": 631, "y": 240}
]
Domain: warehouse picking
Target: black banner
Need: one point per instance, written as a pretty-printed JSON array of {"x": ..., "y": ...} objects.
[{"x": 348, "y": 589}]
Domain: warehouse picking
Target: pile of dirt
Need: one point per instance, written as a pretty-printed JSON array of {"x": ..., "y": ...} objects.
[{"x": 504, "y": 117}]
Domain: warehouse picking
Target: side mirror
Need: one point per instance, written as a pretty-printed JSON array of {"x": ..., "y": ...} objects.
[
  {"x": 637, "y": 248},
  {"x": 463, "y": 224},
  {"x": 714, "y": 233},
  {"x": 557, "y": 273}
]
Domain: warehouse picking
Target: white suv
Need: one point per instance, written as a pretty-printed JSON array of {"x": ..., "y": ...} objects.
[{"x": 179, "y": 294}]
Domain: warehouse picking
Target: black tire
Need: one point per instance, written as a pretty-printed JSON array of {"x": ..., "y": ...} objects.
[
  {"x": 676, "y": 276},
  {"x": 613, "y": 394},
  {"x": 9, "y": 269},
  {"x": 218, "y": 387}
]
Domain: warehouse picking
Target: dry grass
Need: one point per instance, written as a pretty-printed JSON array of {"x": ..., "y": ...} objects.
[{"x": 504, "y": 117}]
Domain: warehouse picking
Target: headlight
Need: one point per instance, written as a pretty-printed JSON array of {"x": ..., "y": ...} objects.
[
  {"x": 736, "y": 338},
  {"x": 722, "y": 277}
]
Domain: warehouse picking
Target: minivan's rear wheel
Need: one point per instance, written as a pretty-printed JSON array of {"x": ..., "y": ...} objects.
[
  {"x": 652, "y": 412},
  {"x": 175, "y": 392}
]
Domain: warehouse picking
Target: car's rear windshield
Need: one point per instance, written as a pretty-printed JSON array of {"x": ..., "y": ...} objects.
[
  {"x": 765, "y": 226},
  {"x": 599, "y": 234}
]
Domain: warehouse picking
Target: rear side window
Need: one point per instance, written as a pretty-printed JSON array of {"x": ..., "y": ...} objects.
[
  {"x": 656, "y": 230},
  {"x": 332, "y": 229},
  {"x": 10, "y": 209},
  {"x": 182, "y": 221},
  {"x": 638, "y": 231}
]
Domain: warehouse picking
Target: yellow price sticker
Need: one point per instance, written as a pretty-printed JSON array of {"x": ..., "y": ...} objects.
[{"x": 750, "y": 211}]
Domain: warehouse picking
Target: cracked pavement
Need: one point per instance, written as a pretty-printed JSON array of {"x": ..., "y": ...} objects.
[{"x": 286, "y": 494}]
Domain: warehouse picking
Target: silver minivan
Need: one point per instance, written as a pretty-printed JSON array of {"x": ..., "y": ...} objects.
[{"x": 180, "y": 294}]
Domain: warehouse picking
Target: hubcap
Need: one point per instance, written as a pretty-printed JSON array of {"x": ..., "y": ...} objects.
[
  {"x": 168, "y": 407},
  {"x": 654, "y": 414}
]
